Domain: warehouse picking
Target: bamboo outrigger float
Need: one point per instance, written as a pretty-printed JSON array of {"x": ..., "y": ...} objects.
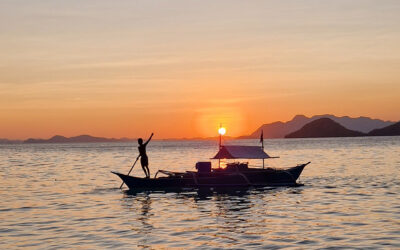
[{"x": 235, "y": 174}]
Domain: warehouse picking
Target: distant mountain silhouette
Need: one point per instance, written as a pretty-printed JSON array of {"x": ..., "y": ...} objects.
[
  {"x": 390, "y": 130},
  {"x": 7, "y": 141},
  {"x": 280, "y": 129},
  {"x": 75, "y": 139},
  {"x": 323, "y": 127}
]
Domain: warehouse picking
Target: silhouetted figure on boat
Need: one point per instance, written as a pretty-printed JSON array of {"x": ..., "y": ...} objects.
[{"x": 144, "y": 160}]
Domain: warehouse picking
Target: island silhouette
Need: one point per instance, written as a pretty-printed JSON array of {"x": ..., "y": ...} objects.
[
  {"x": 393, "y": 129},
  {"x": 323, "y": 127},
  {"x": 326, "y": 127},
  {"x": 299, "y": 127},
  {"x": 75, "y": 139},
  {"x": 281, "y": 129}
]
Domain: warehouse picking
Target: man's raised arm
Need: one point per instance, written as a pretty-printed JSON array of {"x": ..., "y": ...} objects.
[{"x": 149, "y": 139}]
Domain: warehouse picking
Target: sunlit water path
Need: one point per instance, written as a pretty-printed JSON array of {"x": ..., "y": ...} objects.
[{"x": 63, "y": 195}]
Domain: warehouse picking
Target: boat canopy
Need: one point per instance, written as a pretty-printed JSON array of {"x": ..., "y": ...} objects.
[{"x": 241, "y": 152}]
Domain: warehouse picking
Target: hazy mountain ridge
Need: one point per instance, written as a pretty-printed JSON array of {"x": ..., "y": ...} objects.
[
  {"x": 76, "y": 139},
  {"x": 7, "y": 141},
  {"x": 281, "y": 129}
]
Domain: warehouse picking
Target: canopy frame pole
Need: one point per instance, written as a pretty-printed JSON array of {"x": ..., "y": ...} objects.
[
  {"x": 220, "y": 146},
  {"x": 220, "y": 141},
  {"x": 262, "y": 143}
]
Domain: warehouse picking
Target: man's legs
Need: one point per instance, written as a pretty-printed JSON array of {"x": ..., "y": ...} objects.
[
  {"x": 148, "y": 171},
  {"x": 144, "y": 170}
]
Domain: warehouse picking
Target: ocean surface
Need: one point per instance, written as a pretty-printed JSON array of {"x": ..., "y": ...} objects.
[{"x": 56, "y": 196}]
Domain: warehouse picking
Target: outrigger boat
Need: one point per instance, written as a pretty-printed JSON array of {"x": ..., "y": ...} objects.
[{"x": 235, "y": 174}]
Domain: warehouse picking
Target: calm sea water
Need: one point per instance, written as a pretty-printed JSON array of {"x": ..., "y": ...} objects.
[{"x": 64, "y": 196}]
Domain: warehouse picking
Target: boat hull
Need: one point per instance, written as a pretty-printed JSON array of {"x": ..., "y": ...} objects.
[{"x": 218, "y": 178}]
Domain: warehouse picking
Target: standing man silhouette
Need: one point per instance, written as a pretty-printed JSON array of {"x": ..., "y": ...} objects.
[{"x": 144, "y": 160}]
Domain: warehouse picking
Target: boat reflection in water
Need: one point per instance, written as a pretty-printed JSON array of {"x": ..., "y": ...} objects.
[
  {"x": 199, "y": 194},
  {"x": 222, "y": 212}
]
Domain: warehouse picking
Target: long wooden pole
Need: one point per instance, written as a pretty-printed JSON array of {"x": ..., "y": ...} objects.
[{"x": 137, "y": 158}]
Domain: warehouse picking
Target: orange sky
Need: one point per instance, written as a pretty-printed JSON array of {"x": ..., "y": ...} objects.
[{"x": 180, "y": 68}]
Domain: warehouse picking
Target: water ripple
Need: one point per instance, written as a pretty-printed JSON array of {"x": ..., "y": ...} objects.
[{"x": 63, "y": 196}]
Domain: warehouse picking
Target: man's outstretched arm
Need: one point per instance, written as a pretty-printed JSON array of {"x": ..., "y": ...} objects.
[{"x": 149, "y": 139}]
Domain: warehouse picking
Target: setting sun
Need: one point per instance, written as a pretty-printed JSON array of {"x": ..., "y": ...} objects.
[{"x": 221, "y": 131}]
